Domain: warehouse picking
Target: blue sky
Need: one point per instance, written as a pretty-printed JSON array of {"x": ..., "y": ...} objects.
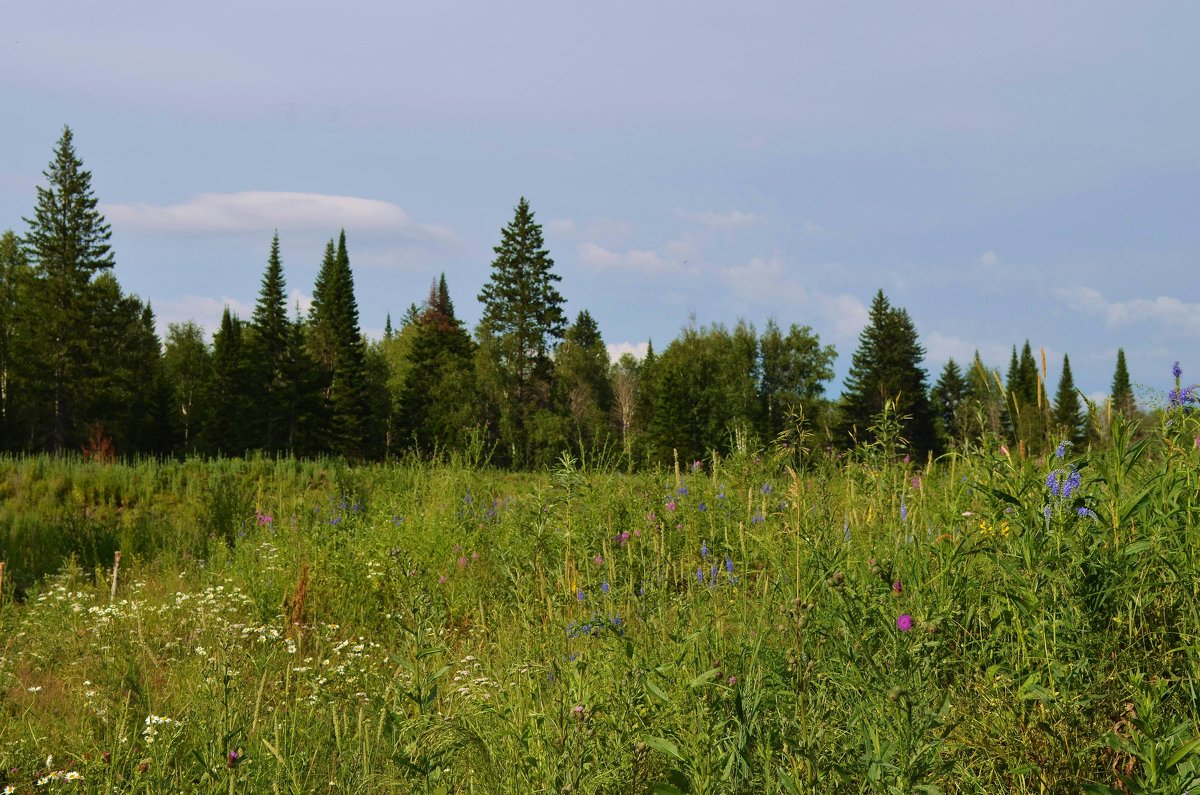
[{"x": 1003, "y": 171}]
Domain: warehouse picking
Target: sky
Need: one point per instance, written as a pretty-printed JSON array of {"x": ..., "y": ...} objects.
[{"x": 1004, "y": 172}]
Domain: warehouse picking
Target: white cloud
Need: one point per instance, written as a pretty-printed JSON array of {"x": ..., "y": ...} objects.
[
  {"x": 260, "y": 211},
  {"x": 767, "y": 283},
  {"x": 618, "y": 349},
  {"x": 1164, "y": 311},
  {"x": 988, "y": 258},
  {"x": 205, "y": 311},
  {"x": 564, "y": 227},
  {"x": 940, "y": 347},
  {"x": 730, "y": 220},
  {"x": 600, "y": 258}
]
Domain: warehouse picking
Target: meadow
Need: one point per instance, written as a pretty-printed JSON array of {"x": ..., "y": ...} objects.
[{"x": 770, "y": 621}]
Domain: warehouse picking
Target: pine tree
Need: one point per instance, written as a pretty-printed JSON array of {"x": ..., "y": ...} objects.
[
  {"x": 1068, "y": 414},
  {"x": 522, "y": 321},
  {"x": 67, "y": 243},
  {"x": 1122, "y": 390},
  {"x": 887, "y": 367},
  {"x": 269, "y": 351}
]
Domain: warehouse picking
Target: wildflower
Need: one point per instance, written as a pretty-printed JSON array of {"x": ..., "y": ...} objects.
[
  {"x": 604, "y": 586},
  {"x": 1072, "y": 483},
  {"x": 1087, "y": 513},
  {"x": 703, "y": 550},
  {"x": 474, "y": 556},
  {"x": 903, "y": 511},
  {"x": 1061, "y": 450},
  {"x": 1177, "y": 371},
  {"x": 580, "y": 595},
  {"x": 897, "y": 587},
  {"x": 732, "y": 681},
  {"x": 234, "y": 757},
  {"x": 716, "y": 569},
  {"x": 700, "y": 575},
  {"x": 728, "y": 566},
  {"x": 904, "y": 622},
  {"x": 756, "y": 519},
  {"x": 462, "y": 561},
  {"x": 697, "y": 466},
  {"x": 671, "y": 505},
  {"x": 442, "y": 580},
  {"x": 578, "y": 710},
  {"x": 682, "y": 491},
  {"x": 264, "y": 519},
  {"x": 1046, "y": 512},
  {"x": 701, "y": 507},
  {"x": 916, "y": 482},
  {"x": 766, "y": 489},
  {"x": 598, "y": 560}
]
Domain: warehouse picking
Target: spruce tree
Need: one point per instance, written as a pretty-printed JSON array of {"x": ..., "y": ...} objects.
[
  {"x": 887, "y": 367},
  {"x": 229, "y": 389},
  {"x": 15, "y": 278},
  {"x": 948, "y": 399},
  {"x": 1068, "y": 415},
  {"x": 1122, "y": 390},
  {"x": 340, "y": 350},
  {"x": 521, "y": 324},
  {"x": 269, "y": 350},
  {"x": 67, "y": 244},
  {"x": 435, "y": 406}
]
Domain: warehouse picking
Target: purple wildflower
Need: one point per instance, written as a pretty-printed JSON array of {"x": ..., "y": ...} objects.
[
  {"x": 235, "y": 756},
  {"x": 767, "y": 489},
  {"x": 700, "y": 574},
  {"x": 1177, "y": 371},
  {"x": 904, "y": 622},
  {"x": 671, "y": 505},
  {"x": 729, "y": 565},
  {"x": 604, "y": 586},
  {"x": 701, "y": 507},
  {"x": 897, "y": 587},
  {"x": 903, "y": 511},
  {"x": 703, "y": 549},
  {"x": 682, "y": 491}
]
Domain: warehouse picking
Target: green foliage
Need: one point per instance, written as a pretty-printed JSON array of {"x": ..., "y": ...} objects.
[
  {"x": 337, "y": 345},
  {"x": 1122, "y": 390},
  {"x": 1069, "y": 419},
  {"x": 521, "y": 324},
  {"x": 860, "y": 627},
  {"x": 435, "y": 411},
  {"x": 67, "y": 244},
  {"x": 887, "y": 367}
]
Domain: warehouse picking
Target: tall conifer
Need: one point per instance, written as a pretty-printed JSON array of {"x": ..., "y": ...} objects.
[{"x": 67, "y": 244}]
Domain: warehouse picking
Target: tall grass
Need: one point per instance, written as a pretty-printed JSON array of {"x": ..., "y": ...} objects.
[{"x": 974, "y": 625}]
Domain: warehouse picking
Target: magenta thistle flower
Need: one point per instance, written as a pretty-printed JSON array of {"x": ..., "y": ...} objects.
[
  {"x": 897, "y": 587},
  {"x": 904, "y": 622}
]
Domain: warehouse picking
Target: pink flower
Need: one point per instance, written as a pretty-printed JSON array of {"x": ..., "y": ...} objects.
[
  {"x": 598, "y": 560},
  {"x": 916, "y": 482},
  {"x": 904, "y": 622},
  {"x": 671, "y": 505},
  {"x": 897, "y": 587}
]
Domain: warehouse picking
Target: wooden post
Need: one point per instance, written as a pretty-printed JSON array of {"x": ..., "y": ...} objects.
[{"x": 116, "y": 568}]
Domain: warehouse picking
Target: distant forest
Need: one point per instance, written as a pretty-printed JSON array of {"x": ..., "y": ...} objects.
[{"x": 82, "y": 369}]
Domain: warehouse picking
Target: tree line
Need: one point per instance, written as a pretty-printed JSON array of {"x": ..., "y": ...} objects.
[{"x": 83, "y": 369}]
